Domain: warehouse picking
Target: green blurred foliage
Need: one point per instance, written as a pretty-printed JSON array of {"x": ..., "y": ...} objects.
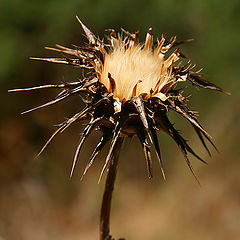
[{"x": 26, "y": 27}]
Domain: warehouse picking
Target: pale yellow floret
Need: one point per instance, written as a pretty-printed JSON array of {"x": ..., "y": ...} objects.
[{"x": 128, "y": 66}]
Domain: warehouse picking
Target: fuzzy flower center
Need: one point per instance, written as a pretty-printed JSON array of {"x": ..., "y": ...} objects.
[{"x": 129, "y": 67}]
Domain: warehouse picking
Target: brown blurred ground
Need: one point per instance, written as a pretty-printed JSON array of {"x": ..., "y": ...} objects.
[{"x": 37, "y": 199}]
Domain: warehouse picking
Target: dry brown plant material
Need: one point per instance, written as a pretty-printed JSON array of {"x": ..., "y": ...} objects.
[{"x": 128, "y": 92}]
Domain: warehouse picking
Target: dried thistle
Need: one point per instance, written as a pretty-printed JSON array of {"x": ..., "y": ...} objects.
[{"x": 129, "y": 91}]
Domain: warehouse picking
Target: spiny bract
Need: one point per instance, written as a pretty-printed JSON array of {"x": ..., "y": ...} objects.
[{"x": 129, "y": 92}]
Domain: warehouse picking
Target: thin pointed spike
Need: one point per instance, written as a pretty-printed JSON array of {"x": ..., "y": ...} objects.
[
  {"x": 183, "y": 144},
  {"x": 96, "y": 151},
  {"x": 196, "y": 79},
  {"x": 62, "y": 47},
  {"x": 157, "y": 150},
  {"x": 60, "y": 94},
  {"x": 37, "y": 88},
  {"x": 140, "y": 109},
  {"x": 199, "y": 129},
  {"x": 202, "y": 139},
  {"x": 62, "y": 50},
  {"x": 77, "y": 154},
  {"x": 138, "y": 103},
  {"x": 65, "y": 60},
  {"x": 191, "y": 119},
  {"x": 66, "y": 51},
  {"x": 191, "y": 168},
  {"x": 143, "y": 140},
  {"x": 173, "y": 133},
  {"x": 63, "y": 127},
  {"x": 177, "y": 43},
  {"x": 147, "y": 154},
  {"x": 90, "y": 36},
  {"x": 49, "y": 140},
  {"x": 183, "y": 148},
  {"x": 117, "y": 131},
  {"x": 55, "y": 60},
  {"x": 189, "y": 149},
  {"x": 85, "y": 134},
  {"x": 207, "y": 137},
  {"x": 46, "y": 104},
  {"x": 76, "y": 117}
]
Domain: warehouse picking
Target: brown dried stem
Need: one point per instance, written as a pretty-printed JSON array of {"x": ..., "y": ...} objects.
[{"x": 107, "y": 196}]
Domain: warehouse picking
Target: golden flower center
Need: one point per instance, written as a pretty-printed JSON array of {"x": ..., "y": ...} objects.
[{"x": 128, "y": 66}]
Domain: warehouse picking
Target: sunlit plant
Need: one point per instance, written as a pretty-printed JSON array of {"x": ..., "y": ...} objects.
[{"x": 128, "y": 91}]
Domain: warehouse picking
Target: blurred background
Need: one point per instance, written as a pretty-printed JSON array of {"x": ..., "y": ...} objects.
[{"x": 37, "y": 199}]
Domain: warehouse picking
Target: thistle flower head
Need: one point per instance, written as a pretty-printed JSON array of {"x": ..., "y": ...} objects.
[{"x": 130, "y": 89}]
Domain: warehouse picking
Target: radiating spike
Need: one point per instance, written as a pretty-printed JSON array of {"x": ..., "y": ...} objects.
[
  {"x": 174, "y": 134},
  {"x": 142, "y": 137},
  {"x": 90, "y": 36},
  {"x": 177, "y": 43},
  {"x": 116, "y": 134},
  {"x": 68, "y": 61},
  {"x": 191, "y": 119},
  {"x": 90, "y": 82},
  {"x": 149, "y": 40},
  {"x": 147, "y": 154},
  {"x": 69, "y": 51},
  {"x": 76, "y": 117},
  {"x": 47, "y": 104},
  {"x": 182, "y": 141},
  {"x": 82, "y": 140},
  {"x": 191, "y": 167},
  {"x": 83, "y": 113},
  {"x": 105, "y": 138},
  {"x": 64, "y": 126},
  {"x": 73, "y": 62},
  {"x": 138, "y": 103},
  {"x": 38, "y": 87},
  {"x": 201, "y": 139},
  {"x": 64, "y": 48},
  {"x": 196, "y": 79},
  {"x": 49, "y": 140},
  {"x": 91, "y": 125},
  {"x": 188, "y": 148},
  {"x": 62, "y": 93},
  {"x": 209, "y": 139},
  {"x": 157, "y": 150}
]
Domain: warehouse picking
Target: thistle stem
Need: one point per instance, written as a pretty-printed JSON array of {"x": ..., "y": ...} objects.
[{"x": 107, "y": 195}]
